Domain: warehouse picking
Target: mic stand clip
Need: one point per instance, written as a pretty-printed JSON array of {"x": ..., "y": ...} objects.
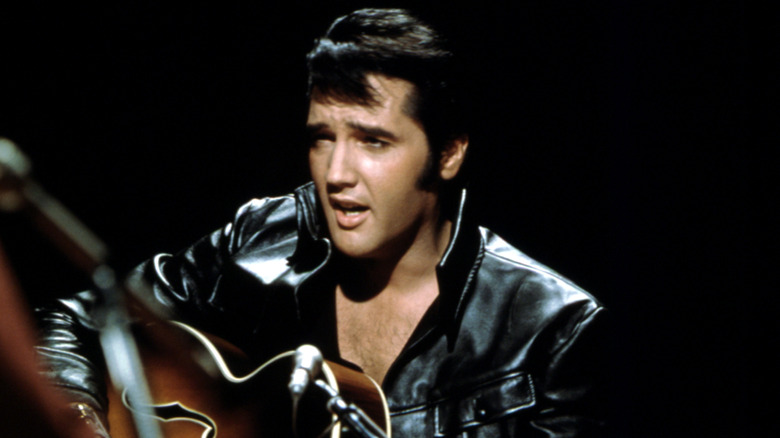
[{"x": 350, "y": 414}]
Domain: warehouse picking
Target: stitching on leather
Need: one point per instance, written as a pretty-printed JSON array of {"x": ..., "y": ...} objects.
[
  {"x": 473, "y": 423},
  {"x": 427, "y": 405}
]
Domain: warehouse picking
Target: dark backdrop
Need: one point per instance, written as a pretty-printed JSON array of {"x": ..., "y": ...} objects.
[{"x": 611, "y": 141}]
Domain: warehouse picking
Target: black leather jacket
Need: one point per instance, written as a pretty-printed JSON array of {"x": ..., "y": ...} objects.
[{"x": 509, "y": 348}]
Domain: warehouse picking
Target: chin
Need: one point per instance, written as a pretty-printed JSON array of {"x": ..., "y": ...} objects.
[
  {"x": 354, "y": 247},
  {"x": 352, "y": 251}
]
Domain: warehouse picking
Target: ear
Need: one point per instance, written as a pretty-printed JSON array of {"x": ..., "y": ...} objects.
[{"x": 452, "y": 157}]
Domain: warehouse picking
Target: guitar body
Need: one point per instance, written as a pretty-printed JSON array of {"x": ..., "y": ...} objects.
[{"x": 203, "y": 387}]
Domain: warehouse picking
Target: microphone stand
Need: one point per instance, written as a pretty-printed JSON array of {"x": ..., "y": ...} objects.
[
  {"x": 349, "y": 414},
  {"x": 18, "y": 192}
]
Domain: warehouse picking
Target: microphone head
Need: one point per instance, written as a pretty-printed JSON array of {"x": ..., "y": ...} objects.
[
  {"x": 309, "y": 358},
  {"x": 14, "y": 168},
  {"x": 12, "y": 160},
  {"x": 307, "y": 364}
]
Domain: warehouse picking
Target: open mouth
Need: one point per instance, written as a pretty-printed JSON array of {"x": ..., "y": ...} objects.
[
  {"x": 351, "y": 211},
  {"x": 349, "y": 214}
]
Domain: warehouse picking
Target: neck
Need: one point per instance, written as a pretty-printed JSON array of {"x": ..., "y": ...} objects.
[{"x": 402, "y": 273}]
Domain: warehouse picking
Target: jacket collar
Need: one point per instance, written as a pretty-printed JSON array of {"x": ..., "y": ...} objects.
[
  {"x": 455, "y": 272},
  {"x": 308, "y": 215},
  {"x": 458, "y": 266}
]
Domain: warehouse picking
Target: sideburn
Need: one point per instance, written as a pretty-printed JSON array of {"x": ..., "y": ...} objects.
[{"x": 430, "y": 173}]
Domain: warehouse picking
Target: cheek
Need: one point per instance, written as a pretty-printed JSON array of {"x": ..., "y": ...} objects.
[
  {"x": 315, "y": 166},
  {"x": 317, "y": 174},
  {"x": 404, "y": 174},
  {"x": 398, "y": 186}
]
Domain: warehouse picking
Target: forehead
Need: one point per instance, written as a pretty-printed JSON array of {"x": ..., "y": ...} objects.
[{"x": 390, "y": 97}]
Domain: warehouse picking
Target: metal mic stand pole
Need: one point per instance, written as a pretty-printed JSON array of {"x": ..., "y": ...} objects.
[
  {"x": 18, "y": 192},
  {"x": 121, "y": 353},
  {"x": 350, "y": 414}
]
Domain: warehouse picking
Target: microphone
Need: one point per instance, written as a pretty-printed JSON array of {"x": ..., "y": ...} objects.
[
  {"x": 18, "y": 191},
  {"x": 308, "y": 363},
  {"x": 14, "y": 168}
]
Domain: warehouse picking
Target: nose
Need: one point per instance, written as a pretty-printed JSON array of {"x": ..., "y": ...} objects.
[{"x": 341, "y": 170}]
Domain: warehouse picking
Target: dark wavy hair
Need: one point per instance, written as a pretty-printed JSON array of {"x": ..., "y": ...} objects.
[{"x": 395, "y": 43}]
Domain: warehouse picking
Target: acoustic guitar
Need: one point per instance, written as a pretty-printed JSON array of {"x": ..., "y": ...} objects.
[{"x": 204, "y": 387}]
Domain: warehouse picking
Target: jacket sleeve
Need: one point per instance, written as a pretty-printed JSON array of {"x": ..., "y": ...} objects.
[
  {"x": 573, "y": 387},
  {"x": 182, "y": 285}
]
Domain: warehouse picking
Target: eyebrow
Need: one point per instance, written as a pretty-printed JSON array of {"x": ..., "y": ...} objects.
[
  {"x": 312, "y": 129},
  {"x": 374, "y": 131}
]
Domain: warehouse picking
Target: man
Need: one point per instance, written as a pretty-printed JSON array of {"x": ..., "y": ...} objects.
[{"x": 377, "y": 262}]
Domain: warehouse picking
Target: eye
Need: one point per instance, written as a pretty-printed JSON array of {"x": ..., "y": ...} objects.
[
  {"x": 375, "y": 142},
  {"x": 319, "y": 140}
]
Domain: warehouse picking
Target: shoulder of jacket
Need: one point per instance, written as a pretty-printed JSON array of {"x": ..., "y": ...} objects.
[
  {"x": 264, "y": 206},
  {"x": 261, "y": 215},
  {"x": 536, "y": 278}
]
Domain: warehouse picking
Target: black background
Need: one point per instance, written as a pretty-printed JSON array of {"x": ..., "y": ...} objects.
[{"x": 612, "y": 141}]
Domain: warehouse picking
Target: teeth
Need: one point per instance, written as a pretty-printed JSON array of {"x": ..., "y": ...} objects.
[{"x": 351, "y": 213}]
